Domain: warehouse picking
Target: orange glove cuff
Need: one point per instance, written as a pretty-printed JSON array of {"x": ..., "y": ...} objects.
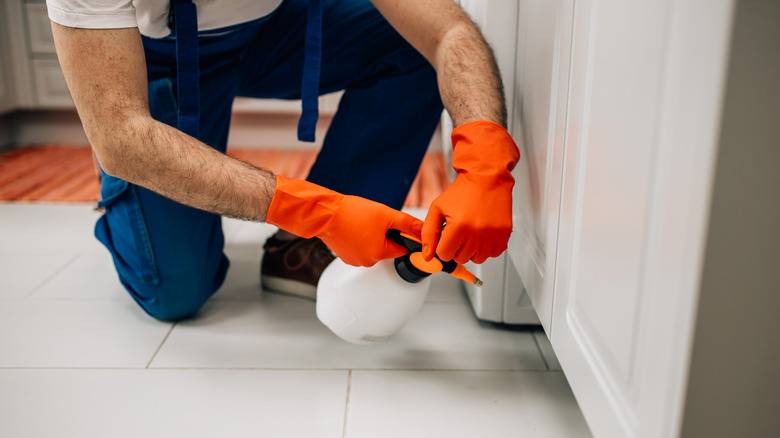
[
  {"x": 477, "y": 207},
  {"x": 301, "y": 207},
  {"x": 483, "y": 148}
]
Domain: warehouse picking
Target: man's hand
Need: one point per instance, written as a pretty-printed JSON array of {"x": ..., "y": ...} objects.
[
  {"x": 477, "y": 207},
  {"x": 353, "y": 227}
]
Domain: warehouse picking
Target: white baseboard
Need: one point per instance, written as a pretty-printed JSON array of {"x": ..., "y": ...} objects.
[
  {"x": 38, "y": 127},
  {"x": 6, "y": 139},
  {"x": 268, "y": 130}
]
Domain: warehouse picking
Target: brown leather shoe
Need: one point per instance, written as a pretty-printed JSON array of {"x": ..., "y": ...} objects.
[{"x": 294, "y": 266}]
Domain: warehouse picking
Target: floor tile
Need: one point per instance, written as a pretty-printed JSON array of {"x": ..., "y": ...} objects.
[
  {"x": 86, "y": 345},
  {"x": 90, "y": 276},
  {"x": 250, "y": 235},
  {"x": 243, "y": 277},
  {"x": 77, "y": 334},
  {"x": 48, "y": 227},
  {"x": 454, "y": 404},
  {"x": 277, "y": 331},
  {"x": 25, "y": 269},
  {"x": 230, "y": 227},
  {"x": 172, "y": 403}
]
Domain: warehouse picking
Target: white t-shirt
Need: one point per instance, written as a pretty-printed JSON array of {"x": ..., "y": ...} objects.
[{"x": 151, "y": 16}]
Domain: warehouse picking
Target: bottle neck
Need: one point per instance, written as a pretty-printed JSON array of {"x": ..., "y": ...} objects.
[{"x": 407, "y": 270}]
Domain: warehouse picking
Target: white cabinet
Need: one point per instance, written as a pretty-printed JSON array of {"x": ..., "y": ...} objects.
[
  {"x": 618, "y": 108},
  {"x": 39, "y": 32},
  {"x": 538, "y": 125},
  {"x": 7, "y": 101},
  {"x": 49, "y": 86},
  {"x": 634, "y": 205},
  {"x": 7, "y": 97},
  {"x": 7, "y": 94},
  {"x": 32, "y": 66},
  {"x": 51, "y": 90}
]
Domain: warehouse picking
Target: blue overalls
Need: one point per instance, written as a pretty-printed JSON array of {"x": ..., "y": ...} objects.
[{"x": 170, "y": 256}]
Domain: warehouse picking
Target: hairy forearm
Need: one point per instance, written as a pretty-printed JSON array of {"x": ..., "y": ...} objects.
[
  {"x": 165, "y": 160},
  {"x": 469, "y": 81},
  {"x": 106, "y": 74}
]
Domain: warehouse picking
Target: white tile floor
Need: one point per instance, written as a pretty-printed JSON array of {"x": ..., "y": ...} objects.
[{"x": 79, "y": 359}]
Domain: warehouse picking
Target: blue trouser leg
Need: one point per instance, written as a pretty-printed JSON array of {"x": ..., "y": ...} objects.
[
  {"x": 391, "y": 104},
  {"x": 169, "y": 256}
]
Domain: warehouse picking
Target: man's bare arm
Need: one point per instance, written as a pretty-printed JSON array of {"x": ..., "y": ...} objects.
[
  {"x": 469, "y": 83},
  {"x": 106, "y": 74}
]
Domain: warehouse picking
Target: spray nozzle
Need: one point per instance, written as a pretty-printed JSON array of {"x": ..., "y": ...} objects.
[{"x": 413, "y": 267}]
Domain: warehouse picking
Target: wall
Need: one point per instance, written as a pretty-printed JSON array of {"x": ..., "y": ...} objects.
[{"x": 734, "y": 384}]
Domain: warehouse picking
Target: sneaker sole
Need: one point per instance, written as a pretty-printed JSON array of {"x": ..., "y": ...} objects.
[{"x": 289, "y": 287}]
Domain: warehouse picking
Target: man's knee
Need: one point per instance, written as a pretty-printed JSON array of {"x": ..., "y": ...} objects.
[
  {"x": 179, "y": 297},
  {"x": 172, "y": 308}
]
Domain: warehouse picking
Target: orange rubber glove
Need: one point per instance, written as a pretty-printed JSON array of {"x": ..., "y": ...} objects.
[
  {"x": 353, "y": 227},
  {"x": 477, "y": 207}
]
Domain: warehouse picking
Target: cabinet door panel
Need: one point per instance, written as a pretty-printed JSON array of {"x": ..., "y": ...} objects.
[
  {"x": 52, "y": 90},
  {"x": 639, "y": 145},
  {"x": 616, "y": 78},
  {"x": 539, "y": 109},
  {"x": 39, "y": 29},
  {"x": 7, "y": 95},
  {"x": 6, "y": 98},
  {"x": 613, "y": 179}
]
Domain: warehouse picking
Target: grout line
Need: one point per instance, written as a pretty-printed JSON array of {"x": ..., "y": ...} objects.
[
  {"x": 346, "y": 407},
  {"x": 57, "y": 272},
  {"x": 403, "y": 370},
  {"x": 154, "y": 356},
  {"x": 140, "y": 368},
  {"x": 78, "y": 299},
  {"x": 3, "y": 368},
  {"x": 541, "y": 353}
]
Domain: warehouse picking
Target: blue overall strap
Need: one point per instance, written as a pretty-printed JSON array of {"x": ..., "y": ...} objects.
[
  {"x": 187, "y": 66},
  {"x": 310, "y": 85}
]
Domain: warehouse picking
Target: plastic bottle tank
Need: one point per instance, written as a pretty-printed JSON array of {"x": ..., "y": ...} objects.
[{"x": 368, "y": 305}]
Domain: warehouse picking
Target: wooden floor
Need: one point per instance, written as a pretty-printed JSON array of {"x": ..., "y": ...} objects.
[{"x": 58, "y": 173}]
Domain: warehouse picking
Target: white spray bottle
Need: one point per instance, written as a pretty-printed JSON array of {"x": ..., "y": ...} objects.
[{"x": 368, "y": 305}]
